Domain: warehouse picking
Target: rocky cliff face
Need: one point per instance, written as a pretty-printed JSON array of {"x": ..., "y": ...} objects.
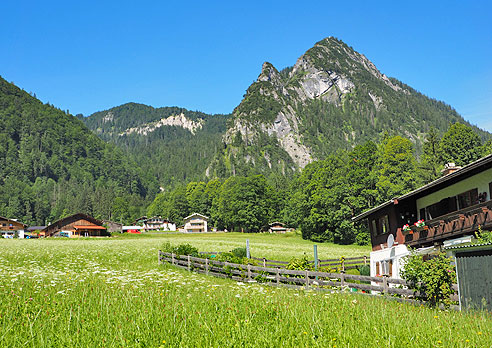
[
  {"x": 333, "y": 97},
  {"x": 174, "y": 120}
]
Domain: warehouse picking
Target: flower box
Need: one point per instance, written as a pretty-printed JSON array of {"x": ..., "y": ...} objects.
[{"x": 418, "y": 229}]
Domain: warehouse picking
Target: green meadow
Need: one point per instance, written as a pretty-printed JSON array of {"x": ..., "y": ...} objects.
[
  {"x": 282, "y": 247},
  {"x": 112, "y": 293}
]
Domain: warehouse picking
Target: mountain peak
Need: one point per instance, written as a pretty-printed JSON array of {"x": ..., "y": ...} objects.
[{"x": 333, "y": 97}]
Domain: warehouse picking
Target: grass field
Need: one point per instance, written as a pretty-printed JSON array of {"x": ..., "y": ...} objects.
[
  {"x": 112, "y": 293},
  {"x": 271, "y": 246}
]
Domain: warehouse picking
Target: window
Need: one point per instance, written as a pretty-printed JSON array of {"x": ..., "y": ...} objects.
[
  {"x": 468, "y": 198},
  {"x": 422, "y": 214},
  {"x": 445, "y": 206},
  {"x": 384, "y": 268},
  {"x": 374, "y": 227},
  {"x": 383, "y": 224}
]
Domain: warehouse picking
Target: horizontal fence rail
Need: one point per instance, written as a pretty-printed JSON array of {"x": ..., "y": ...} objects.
[
  {"x": 281, "y": 276},
  {"x": 342, "y": 264}
]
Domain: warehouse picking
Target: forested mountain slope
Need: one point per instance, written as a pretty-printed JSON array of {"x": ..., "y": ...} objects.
[
  {"x": 173, "y": 144},
  {"x": 51, "y": 165},
  {"x": 332, "y": 98}
]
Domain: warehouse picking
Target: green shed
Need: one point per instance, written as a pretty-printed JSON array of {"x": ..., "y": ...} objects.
[{"x": 474, "y": 273}]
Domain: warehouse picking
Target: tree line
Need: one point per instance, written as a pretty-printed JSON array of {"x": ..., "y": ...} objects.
[{"x": 326, "y": 194}]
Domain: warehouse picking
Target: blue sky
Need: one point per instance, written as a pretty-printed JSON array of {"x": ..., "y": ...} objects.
[{"x": 93, "y": 55}]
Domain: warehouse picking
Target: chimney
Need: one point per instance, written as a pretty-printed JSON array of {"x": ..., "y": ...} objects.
[{"x": 449, "y": 168}]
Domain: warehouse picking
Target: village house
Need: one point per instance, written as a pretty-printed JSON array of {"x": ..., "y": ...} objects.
[
  {"x": 10, "y": 228},
  {"x": 195, "y": 223},
  {"x": 445, "y": 212},
  {"x": 277, "y": 227},
  {"x": 155, "y": 223},
  {"x": 77, "y": 225}
]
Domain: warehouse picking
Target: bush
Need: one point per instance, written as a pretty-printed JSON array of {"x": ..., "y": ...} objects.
[
  {"x": 433, "y": 278},
  {"x": 239, "y": 252},
  {"x": 300, "y": 264},
  {"x": 483, "y": 236},
  {"x": 181, "y": 249},
  {"x": 365, "y": 270}
]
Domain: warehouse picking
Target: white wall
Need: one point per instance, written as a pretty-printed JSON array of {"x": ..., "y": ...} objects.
[
  {"x": 394, "y": 254},
  {"x": 480, "y": 181}
]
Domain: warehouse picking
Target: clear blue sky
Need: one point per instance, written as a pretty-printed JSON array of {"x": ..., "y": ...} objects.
[{"x": 93, "y": 55}]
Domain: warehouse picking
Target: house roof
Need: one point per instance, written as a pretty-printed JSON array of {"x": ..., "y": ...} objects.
[
  {"x": 13, "y": 220},
  {"x": 470, "y": 246},
  {"x": 196, "y": 214},
  {"x": 79, "y": 215},
  {"x": 432, "y": 186}
]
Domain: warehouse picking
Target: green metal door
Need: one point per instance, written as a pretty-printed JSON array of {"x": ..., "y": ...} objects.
[{"x": 475, "y": 279}]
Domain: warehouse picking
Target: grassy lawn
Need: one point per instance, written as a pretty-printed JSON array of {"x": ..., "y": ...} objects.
[
  {"x": 112, "y": 293},
  {"x": 271, "y": 246}
]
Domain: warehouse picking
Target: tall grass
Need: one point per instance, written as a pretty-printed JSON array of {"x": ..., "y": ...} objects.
[{"x": 112, "y": 293}]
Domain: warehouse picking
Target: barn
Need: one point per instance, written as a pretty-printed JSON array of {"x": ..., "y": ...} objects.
[{"x": 77, "y": 225}]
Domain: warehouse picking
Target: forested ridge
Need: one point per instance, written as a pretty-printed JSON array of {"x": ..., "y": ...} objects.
[
  {"x": 172, "y": 154},
  {"x": 51, "y": 165}
]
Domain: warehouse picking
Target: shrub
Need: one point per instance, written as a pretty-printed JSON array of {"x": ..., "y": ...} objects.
[
  {"x": 365, "y": 270},
  {"x": 300, "y": 264},
  {"x": 483, "y": 236},
  {"x": 181, "y": 249},
  {"x": 433, "y": 278},
  {"x": 239, "y": 252}
]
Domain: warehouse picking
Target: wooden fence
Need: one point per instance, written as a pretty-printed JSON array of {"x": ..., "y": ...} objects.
[
  {"x": 281, "y": 276},
  {"x": 342, "y": 264}
]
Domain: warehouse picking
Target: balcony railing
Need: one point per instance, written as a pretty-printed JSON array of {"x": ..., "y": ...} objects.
[{"x": 455, "y": 224}]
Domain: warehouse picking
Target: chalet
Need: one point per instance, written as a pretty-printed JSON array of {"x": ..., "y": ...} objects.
[
  {"x": 11, "y": 227},
  {"x": 155, "y": 223},
  {"x": 195, "y": 223},
  {"x": 277, "y": 227},
  {"x": 447, "y": 211},
  {"x": 77, "y": 225}
]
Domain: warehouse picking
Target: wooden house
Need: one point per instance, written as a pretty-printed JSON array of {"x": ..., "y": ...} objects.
[
  {"x": 277, "y": 227},
  {"x": 449, "y": 209},
  {"x": 11, "y": 227},
  {"x": 77, "y": 225},
  {"x": 195, "y": 223}
]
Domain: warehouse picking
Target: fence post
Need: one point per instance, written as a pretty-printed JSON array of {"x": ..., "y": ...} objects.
[
  {"x": 172, "y": 258},
  {"x": 277, "y": 276},
  {"x": 342, "y": 279},
  {"x": 385, "y": 284},
  {"x": 264, "y": 262},
  {"x": 343, "y": 264},
  {"x": 316, "y": 259},
  {"x": 307, "y": 278},
  {"x": 365, "y": 260},
  {"x": 249, "y": 272},
  {"x": 248, "y": 255},
  {"x": 189, "y": 263},
  {"x": 206, "y": 266}
]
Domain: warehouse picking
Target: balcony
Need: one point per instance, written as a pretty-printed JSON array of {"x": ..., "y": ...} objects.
[{"x": 453, "y": 225}]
